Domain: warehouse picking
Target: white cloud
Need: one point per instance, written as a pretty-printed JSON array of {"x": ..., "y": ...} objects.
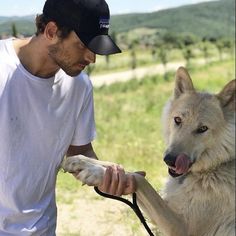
[
  {"x": 160, "y": 7},
  {"x": 171, "y": 4}
]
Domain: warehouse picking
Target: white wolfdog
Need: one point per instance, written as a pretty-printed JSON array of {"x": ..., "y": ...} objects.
[{"x": 199, "y": 197}]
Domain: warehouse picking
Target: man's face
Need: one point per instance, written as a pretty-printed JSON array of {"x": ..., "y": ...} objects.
[{"x": 71, "y": 55}]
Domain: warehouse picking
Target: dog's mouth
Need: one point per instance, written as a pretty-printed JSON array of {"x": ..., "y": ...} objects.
[
  {"x": 173, "y": 173},
  {"x": 178, "y": 165}
]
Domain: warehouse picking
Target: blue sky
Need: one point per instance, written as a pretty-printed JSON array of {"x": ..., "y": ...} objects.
[{"x": 26, "y": 7}]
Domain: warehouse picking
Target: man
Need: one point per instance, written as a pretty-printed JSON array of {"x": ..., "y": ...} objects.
[{"x": 46, "y": 111}]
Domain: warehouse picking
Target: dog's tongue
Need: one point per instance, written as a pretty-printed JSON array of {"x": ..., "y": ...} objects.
[{"x": 182, "y": 164}]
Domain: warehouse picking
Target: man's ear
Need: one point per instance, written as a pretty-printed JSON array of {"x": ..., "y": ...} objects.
[
  {"x": 50, "y": 31},
  {"x": 183, "y": 82}
]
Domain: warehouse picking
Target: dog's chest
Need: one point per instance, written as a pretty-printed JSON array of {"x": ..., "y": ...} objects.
[{"x": 197, "y": 201}]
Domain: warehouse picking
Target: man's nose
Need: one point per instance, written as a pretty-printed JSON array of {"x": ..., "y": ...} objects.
[{"x": 90, "y": 57}]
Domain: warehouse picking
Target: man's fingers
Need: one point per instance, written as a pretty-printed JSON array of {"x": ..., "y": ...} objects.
[
  {"x": 117, "y": 182},
  {"x": 105, "y": 186},
  {"x": 122, "y": 181},
  {"x": 114, "y": 181},
  {"x": 107, "y": 179},
  {"x": 131, "y": 185}
]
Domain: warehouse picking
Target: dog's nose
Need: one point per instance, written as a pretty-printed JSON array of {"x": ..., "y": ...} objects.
[{"x": 170, "y": 160}]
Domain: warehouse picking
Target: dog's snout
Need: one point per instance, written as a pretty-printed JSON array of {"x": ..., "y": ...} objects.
[{"x": 169, "y": 160}]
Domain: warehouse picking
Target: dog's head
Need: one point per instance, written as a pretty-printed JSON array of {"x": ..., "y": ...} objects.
[{"x": 199, "y": 127}]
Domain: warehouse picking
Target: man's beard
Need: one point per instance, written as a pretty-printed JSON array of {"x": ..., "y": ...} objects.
[{"x": 63, "y": 61}]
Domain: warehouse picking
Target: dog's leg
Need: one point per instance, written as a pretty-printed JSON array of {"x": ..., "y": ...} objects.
[
  {"x": 156, "y": 208},
  {"x": 91, "y": 171}
]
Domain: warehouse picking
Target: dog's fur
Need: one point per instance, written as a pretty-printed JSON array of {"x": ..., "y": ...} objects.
[{"x": 199, "y": 197}]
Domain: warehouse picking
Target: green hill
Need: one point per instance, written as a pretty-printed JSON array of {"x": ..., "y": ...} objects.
[{"x": 208, "y": 19}]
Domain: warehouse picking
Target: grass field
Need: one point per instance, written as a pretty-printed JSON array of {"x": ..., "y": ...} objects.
[
  {"x": 144, "y": 57},
  {"x": 128, "y": 118}
]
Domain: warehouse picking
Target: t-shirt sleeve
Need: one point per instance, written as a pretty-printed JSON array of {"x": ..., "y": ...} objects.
[{"x": 85, "y": 131}]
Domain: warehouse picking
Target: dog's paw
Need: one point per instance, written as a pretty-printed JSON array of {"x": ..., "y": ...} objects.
[
  {"x": 88, "y": 170},
  {"x": 73, "y": 164},
  {"x": 92, "y": 176}
]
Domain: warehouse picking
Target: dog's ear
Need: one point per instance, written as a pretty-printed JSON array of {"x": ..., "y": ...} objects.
[
  {"x": 183, "y": 82},
  {"x": 227, "y": 96}
]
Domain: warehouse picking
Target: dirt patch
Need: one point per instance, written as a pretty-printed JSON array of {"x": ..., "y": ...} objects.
[{"x": 93, "y": 215}]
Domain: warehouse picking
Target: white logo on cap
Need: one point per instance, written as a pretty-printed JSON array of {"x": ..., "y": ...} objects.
[{"x": 104, "y": 23}]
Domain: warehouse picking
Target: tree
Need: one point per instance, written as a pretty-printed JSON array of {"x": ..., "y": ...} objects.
[
  {"x": 163, "y": 55},
  {"x": 161, "y": 50},
  {"x": 205, "y": 49},
  {"x": 188, "y": 55},
  {"x": 14, "y": 30},
  {"x": 133, "y": 59},
  {"x": 172, "y": 39},
  {"x": 223, "y": 45},
  {"x": 220, "y": 47},
  {"x": 132, "y": 48}
]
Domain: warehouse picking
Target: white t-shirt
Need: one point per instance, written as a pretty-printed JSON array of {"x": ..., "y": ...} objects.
[{"x": 39, "y": 119}]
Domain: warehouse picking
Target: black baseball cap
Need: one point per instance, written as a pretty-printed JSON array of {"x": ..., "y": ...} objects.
[{"x": 89, "y": 19}]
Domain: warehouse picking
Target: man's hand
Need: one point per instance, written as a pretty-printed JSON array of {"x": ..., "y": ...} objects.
[{"x": 117, "y": 182}]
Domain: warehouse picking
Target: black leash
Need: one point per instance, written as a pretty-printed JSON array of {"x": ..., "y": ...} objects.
[{"x": 133, "y": 205}]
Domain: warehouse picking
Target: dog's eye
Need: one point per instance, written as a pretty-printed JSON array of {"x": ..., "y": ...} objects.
[
  {"x": 177, "y": 120},
  {"x": 202, "y": 129}
]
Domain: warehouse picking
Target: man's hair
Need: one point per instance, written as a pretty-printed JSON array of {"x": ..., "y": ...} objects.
[{"x": 41, "y": 21}]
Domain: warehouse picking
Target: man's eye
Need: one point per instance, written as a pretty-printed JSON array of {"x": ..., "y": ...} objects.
[
  {"x": 202, "y": 129},
  {"x": 177, "y": 120}
]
